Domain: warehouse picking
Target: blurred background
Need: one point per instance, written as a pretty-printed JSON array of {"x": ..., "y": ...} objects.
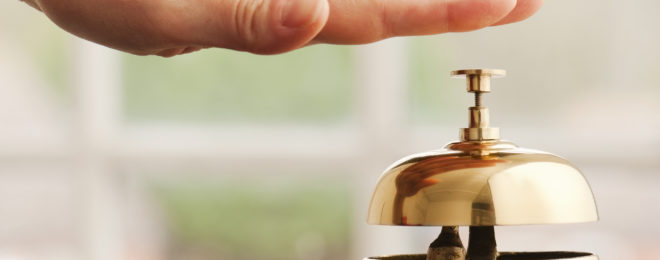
[{"x": 227, "y": 155}]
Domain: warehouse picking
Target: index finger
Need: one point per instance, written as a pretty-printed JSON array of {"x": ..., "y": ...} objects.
[{"x": 355, "y": 22}]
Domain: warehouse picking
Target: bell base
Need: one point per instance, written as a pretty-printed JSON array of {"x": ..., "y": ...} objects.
[{"x": 505, "y": 256}]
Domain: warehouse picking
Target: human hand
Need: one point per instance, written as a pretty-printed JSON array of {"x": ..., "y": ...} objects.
[{"x": 171, "y": 27}]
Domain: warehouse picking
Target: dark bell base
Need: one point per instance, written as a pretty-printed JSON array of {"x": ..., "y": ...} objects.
[{"x": 506, "y": 256}]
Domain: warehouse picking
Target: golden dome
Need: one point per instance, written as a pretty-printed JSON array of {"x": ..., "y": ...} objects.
[{"x": 481, "y": 184}]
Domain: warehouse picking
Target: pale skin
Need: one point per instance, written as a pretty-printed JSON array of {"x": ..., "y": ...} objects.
[{"x": 172, "y": 27}]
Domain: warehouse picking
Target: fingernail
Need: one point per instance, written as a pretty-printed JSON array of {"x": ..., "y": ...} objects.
[{"x": 298, "y": 13}]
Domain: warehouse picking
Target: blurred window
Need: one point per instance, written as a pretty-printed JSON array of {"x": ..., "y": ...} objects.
[
  {"x": 308, "y": 86},
  {"x": 266, "y": 217}
]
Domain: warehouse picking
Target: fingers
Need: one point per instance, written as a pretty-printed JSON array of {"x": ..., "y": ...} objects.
[
  {"x": 523, "y": 10},
  {"x": 168, "y": 28},
  {"x": 462, "y": 16},
  {"x": 257, "y": 26},
  {"x": 264, "y": 26},
  {"x": 353, "y": 22}
]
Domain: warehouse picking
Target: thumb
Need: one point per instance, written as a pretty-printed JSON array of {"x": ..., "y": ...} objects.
[{"x": 268, "y": 26}]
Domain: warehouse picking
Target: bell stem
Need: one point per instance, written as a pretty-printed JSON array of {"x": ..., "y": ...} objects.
[
  {"x": 447, "y": 246},
  {"x": 482, "y": 245}
]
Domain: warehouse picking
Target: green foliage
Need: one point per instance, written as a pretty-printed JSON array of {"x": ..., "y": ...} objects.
[
  {"x": 311, "y": 84},
  {"x": 434, "y": 97},
  {"x": 47, "y": 48},
  {"x": 256, "y": 219}
]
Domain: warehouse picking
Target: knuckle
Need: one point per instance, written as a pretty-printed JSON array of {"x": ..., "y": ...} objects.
[
  {"x": 385, "y": 28},
  {"x": 247, "y": 22}
]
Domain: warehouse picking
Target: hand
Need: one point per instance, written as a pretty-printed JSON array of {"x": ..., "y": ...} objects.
[{"x": 171, "y": 27}]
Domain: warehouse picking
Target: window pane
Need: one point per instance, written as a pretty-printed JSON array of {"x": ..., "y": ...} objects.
[
  {"x": 313, "y": 84},
  {"x": 569, "y": 71},
  {"x": 34, "y": 45},
  {"x": 41, "y": 218},
  {"x": 257, "y": 218},
  {"x": 35, "y": 92},
  {"x": 435, "y": 98}
]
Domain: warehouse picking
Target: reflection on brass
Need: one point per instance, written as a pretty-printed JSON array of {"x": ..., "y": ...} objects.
[
  {"x": 478, "y": 81},
  {"x": 481, "y": 184},
  {"x": 506, "y": 256},
  {"x": 427, "y": 173}
]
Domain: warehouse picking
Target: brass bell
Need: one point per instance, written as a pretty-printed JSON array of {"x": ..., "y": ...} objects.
[{"x": 482, "y": 181}]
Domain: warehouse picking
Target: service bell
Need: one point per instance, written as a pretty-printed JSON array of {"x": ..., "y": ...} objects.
[{"x": 480, "y": 182}]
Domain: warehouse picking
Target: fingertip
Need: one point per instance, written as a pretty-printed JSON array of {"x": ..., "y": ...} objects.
[
  {"x": 298, "y": 14},
  {"x": 433, "y": 17},
  {"x": 294, "y": 25},
  {"x": 523, "y": 10},
  {"x": 476, "y": 14}
]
